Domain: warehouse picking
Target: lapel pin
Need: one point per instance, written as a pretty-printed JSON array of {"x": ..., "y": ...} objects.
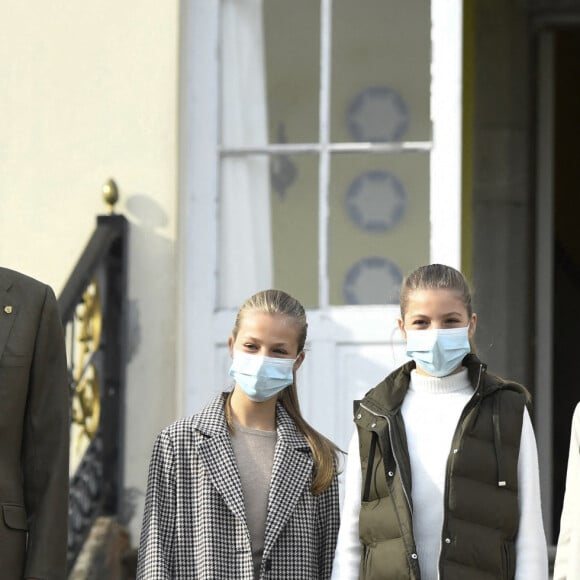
[{"x": 8, "y": 309}]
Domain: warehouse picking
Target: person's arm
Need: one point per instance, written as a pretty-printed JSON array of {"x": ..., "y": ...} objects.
[
  {"x": 45, "y": 448},
  {"x": 328, "y": 523},
  {"x": 348, "y": 549},
  {"x": 567, "y": 555},
  {"x": 531, "y": 548},
  {"x": 157, "y": 532}
]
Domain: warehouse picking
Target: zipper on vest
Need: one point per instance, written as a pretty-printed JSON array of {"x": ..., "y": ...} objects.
[
  {"x": 370, "y": 463},
  {"x": 470, "y": 404},
  {"x": 397, "y": 463},
  {"x": 501, "y": 481},
  {"x": 412, "y": 554}
]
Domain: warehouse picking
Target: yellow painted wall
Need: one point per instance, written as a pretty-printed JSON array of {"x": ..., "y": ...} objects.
[{"x": 89, "y": 91}]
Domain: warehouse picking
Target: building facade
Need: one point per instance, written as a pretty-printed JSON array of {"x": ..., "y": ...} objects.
[{"x": 326, "y": 148}]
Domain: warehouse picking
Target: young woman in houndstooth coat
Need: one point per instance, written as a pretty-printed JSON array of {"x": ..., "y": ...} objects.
[{"x": 245, "y": 489}]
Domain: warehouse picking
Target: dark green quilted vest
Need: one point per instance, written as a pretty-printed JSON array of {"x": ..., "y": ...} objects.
[{"x": 481, "y": 499}]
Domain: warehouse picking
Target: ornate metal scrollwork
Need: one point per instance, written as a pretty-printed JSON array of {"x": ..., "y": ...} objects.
[
  {"x": 92, "y": 306},
  {"x": 86, "y": 400},
  {"x": 85, "y": 497},
  {"x": 86, "y": 446}
]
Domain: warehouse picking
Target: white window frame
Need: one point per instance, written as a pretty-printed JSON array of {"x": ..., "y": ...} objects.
[
  {"x": 200, "y": 157},
  {"x": 544, "y": 307}
]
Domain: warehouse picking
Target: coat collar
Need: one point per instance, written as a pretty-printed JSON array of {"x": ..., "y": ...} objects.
[
  {"x": 291, "y": 469},
  {"x": 389, "y": 394},
  {"x": 217, "y": 455},
  {"x": 291, "y": 476},
  {"x": 211, "y": 422}
]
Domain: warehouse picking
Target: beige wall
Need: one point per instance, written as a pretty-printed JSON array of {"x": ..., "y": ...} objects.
[{"x": 88, "y": 92}]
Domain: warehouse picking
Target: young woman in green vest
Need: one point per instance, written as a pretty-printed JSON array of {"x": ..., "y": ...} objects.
[{"x": 442, "y": 475}]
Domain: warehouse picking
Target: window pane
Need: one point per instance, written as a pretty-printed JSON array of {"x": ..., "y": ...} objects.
[
  {"x": 245, "y": 233},
  {"x": 294, "y": 201},
  {"x": 379, "y": 225},
  {"x": 292, "y": 40},
  {"x": 268, "y": 237},
  {"x": 380, "y": 70}
]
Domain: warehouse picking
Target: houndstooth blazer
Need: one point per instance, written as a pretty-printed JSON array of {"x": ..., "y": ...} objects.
[{"x": 194, "y": 525}]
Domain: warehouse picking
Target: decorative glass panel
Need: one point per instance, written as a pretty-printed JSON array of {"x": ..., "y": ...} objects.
[
  {"x": 269, "y": 202},
  {"x": 294, "y": 202},
  {"x": 379, "y": 225},
  {"x": 292, "y": 34},
  {"x": 380, "y": 70}
]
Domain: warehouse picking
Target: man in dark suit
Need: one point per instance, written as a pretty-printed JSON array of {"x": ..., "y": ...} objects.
[{"x": 34, "y": 431}]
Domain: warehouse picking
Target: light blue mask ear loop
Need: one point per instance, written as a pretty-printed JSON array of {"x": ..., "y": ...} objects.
[{"x": 392, "y": 343}]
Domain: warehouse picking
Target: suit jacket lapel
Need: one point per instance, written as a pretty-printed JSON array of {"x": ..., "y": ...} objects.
[
  {"x": 217, "y": 455},
  {"x": 291, "y": 475},
  {"x": 8, "y": 310}
]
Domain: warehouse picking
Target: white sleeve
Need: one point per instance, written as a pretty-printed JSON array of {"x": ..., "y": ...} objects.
[
  {"x": 567, "y": 563},
  {"x": 348, "y": 548},
  {"x": 531, "y": 548}
]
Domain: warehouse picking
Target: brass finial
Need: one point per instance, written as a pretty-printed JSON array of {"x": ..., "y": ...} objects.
[{"x": 111, "y": 194}]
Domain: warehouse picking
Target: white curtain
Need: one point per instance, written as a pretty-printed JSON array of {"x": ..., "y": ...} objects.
[{"x": 245, "y": 224}]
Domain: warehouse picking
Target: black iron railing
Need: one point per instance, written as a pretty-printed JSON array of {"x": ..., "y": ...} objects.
[{"x": 93, "y": 306}]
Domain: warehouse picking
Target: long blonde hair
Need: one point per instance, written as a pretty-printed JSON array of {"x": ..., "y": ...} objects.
[{"x": 324, "y": 452}]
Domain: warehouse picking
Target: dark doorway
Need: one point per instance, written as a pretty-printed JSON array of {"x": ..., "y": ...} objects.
[{"x": 566, "y": 344}]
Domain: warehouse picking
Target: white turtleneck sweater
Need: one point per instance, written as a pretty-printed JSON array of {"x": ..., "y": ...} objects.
[{"x": 431, "y": 411}]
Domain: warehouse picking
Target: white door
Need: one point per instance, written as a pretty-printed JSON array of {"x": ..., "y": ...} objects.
[{"x": 320, "y": 154}]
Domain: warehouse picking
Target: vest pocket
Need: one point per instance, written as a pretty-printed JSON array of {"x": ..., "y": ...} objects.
[
  {"x": 508, "y": 561},
  {"x": 15, "y": 517},
  {"x": 13, "y": 538}
]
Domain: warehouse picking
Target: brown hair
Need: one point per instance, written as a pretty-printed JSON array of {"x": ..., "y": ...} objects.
[
  {"x": 435, "y": 277},
  {"x": 324, "y": 452}
]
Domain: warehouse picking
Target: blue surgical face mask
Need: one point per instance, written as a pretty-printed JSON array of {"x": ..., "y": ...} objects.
[
  {"x": 261, "y": 377},
  {"x": 438, "y": 351}
]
